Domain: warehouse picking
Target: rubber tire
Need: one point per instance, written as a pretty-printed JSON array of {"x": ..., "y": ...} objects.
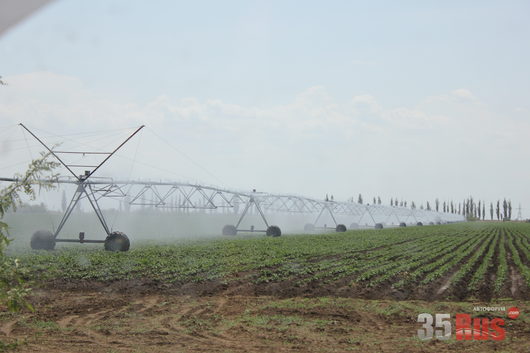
[
  {"x": 229, "y": 230},
  {"x": 419, "y": 224},
  {"x": 341, "y": 228},
  {"x": 117, "y": 241},
  {"x": 378, "y": 226},
  {"x": 403, "y": 224},
  {"x": 354, "y": 226},
  {"x": 274, "y": 231},
  {"x": 309, "y": 227},
  {"x": 42, "y": 240}
]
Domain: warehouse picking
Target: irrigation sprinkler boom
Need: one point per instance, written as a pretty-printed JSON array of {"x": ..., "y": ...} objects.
[
  {"x": 114, "y": 240},
  {"x": 195, "y": 196}
]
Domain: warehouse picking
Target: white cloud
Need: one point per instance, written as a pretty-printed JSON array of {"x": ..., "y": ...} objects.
[
  {"x": 463, "y": 94},
  {"x": 460, "y": 96},
  {"x": 45, "y": 98},
  {"x": 295, "y": 147}
]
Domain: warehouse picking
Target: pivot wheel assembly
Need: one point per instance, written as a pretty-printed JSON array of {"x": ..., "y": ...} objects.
[
  {"x": 274, "y": 231},
  {"x": 42, "y": 240},
  {"x": 354, "y": 226},
  {"x": 309, "y": 227},
  {"x": 229, "y": 230},
  {"x": 340, "y": 228},
  {"x": 117, "y": 241}
]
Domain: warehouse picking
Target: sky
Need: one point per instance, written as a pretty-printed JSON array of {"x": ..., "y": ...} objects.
[{"x": 412, "y": 99}]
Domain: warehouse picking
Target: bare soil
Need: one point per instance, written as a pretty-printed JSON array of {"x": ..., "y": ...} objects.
[{"x": 133, "y": 320}]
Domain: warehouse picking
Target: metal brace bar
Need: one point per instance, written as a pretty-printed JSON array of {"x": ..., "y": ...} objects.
[
  {"x": 95, "y": 206},
  {"x": 71, "y": 206}
]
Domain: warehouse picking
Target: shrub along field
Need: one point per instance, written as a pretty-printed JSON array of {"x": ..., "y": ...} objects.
[{"x": 458, "y": 262}]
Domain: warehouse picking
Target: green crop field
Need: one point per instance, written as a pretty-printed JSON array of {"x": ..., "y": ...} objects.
[{"x": 458, "y": 261}]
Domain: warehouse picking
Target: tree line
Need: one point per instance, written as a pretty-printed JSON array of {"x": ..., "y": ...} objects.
[{"x": 469, "y": 208}]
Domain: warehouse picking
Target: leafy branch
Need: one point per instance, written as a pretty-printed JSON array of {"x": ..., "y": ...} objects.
[{"x": 38, "y": 175}]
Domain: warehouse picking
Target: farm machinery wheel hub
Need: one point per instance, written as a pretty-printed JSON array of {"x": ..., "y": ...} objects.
[
  {"x": 117, "y": 241},
  {"x": 42, "y": 240}
]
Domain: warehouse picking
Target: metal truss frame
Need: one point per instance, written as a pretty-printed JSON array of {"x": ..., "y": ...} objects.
[
  {"x": 202, "y": 197},
  {"x": 85, "y": 187}
]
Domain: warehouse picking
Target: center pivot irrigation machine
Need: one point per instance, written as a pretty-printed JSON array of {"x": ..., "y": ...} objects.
[{"x": 194, "y": 196}]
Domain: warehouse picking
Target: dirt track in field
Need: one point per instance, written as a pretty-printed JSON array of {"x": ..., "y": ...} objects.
[{"x": 110, "y": 321}]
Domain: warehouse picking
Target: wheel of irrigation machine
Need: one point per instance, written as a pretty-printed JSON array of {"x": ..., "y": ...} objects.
[
  {"x": 340, "y": 228},
  {"x": 354, "y": 226},
  {"x": 402, "y": 224},
  {"x": 274, "y": 231},
  {"x": 419, "y": 224},
  {"x": 229, "y": 230},
  {"x": 42, "y": 240},
  {"x": 379, "y": 226},
  {"x": 117, "y": 241},
  {"x": 309, "y": 227}
]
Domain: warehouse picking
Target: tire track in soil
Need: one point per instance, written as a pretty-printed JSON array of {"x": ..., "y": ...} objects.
[
  {"x": 84, "y": 324},
  {"x": 460, "y": 289},
  {"x": 350, "y": 255},
  {"x": 147, "y": 303},
  {"x": 178, "y": 325},
  {"x": 486, "y": 290},
  {"x": 7, "y": 327},
  {"x": 516, "y": 281},
  {"x": 504, "y": 291},
  {"x": 446, "y": 284},
  {"x": 343, "y": 283},
  {"x": 517, "y": 284},
  {"x": 342, "y": 286},
  {"x": 412, "y": 289},
  {"x": 440, "y": 287},
  {"x": 521, "y": 241},
  {"x": 167, "y": 332},
  {"x": 386, "y": 288}
]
